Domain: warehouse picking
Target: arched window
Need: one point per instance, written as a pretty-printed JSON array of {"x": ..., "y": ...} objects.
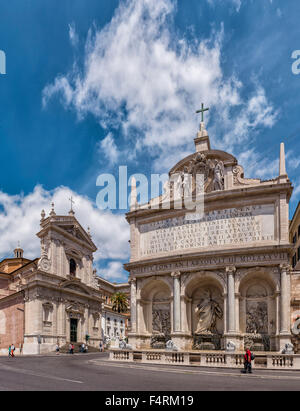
[{"x": 72, "y": 267}]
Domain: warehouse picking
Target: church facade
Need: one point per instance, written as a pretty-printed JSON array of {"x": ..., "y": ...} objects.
[
  {"x": 54, "y": 298},
  {"x": 219, "y": 278}
]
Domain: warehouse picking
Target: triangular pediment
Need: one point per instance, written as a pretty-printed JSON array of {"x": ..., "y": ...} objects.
[
  {"x": 74, "y": 231},
  {"x": 75, "y": 286},
  {"x": 67, "y": 226}
]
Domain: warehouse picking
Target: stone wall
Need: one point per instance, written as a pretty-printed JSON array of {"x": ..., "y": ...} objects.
[{"x": 11, "y": 322}]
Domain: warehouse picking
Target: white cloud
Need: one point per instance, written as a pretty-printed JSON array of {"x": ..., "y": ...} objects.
[
  {"x": 113, "y": 272},
  {"x": 20, "y": 217},
  {"x": 255, "y": 112},
  {"x": 73, "y": 35},
  {"x": 236, "y": 3},
  {"x": 61, "y": 84},
  {"x": 108, "y": 148},
  {"x": 292, "y": 162},
  {"x": 296, "y": 189},
  {"x": 256, "y": 166},
  {"x": 140, "y": 76}
]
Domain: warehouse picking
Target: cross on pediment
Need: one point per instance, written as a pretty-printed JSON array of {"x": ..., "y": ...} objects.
[{"x": 72, "y": 202}]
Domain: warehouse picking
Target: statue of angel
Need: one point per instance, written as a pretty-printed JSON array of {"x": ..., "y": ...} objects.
[{"x": 218, "y": 182}]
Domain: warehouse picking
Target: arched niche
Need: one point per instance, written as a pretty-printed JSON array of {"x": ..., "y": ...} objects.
[
  {"x": 257, "y": 308},
  {"x": 155, "y": 314},
  {"x": 204, "y": 304}
]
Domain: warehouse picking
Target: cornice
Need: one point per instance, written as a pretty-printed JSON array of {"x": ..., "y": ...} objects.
[
  {"x": 57, "y": 288},
  {"x": 243, "y": 193},
  {"x": 53, "y": 227},
  {"x": 12, "y": 296},
  {"x": 272, "y": 249}
]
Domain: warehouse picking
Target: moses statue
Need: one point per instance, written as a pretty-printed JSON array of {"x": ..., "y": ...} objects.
[{"x": 207, "y": 311}]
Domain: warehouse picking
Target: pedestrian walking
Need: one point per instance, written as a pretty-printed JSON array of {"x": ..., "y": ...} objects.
[
  {"x": 9, "y": 351},
  {"x": 248, "y": 357},
  {"x": 12, "y": 350},
  {"x": 72, "y": 348},
  {"x": 101, "y": 346},
  {"x": 57, "y": 349}
]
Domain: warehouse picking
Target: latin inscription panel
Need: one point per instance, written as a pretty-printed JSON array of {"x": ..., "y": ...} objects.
[{"x": 232, "y": 226}]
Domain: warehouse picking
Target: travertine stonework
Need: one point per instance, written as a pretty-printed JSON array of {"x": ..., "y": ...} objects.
[
  {"x": 221, "y": 276},
  {"x": 295, "y": 283},
  {"x": 56, "y": 298}
]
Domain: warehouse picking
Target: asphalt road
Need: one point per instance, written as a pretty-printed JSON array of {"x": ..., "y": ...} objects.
[{"x": 93, "y": 372}]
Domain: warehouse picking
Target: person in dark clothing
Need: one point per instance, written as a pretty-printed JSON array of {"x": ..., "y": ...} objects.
[{"x": 248, "y": 357}]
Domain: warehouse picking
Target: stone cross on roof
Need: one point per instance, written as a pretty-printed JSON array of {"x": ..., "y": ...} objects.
[{"x": 72, "y": 202}]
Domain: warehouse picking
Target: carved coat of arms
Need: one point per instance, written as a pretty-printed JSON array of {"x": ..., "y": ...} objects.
[{"x": 201, "y": 174}]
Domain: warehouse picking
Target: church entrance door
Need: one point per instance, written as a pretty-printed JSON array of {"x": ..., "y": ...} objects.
[{"x": 73, "y": 329}]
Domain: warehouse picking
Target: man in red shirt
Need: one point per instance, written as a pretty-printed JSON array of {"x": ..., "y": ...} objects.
[{"x": 248, "y": 357}]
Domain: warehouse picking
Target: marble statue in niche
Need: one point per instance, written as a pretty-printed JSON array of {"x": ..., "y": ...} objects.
[{"x": 207, "y": 312}]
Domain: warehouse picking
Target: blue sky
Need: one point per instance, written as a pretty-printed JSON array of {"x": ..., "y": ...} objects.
[{"x": 95, "y": 84}]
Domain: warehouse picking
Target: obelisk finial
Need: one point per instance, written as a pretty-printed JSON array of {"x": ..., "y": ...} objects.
[
  {"x": 282, "y": 169},
  {"x": 133, "y": 195}
]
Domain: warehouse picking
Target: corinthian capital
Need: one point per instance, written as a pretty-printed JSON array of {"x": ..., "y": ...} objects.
[
  {"x": 285, "y": 267},
  {"x": 231, "y": 269},
  {"x": 175, "y": 274}
]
